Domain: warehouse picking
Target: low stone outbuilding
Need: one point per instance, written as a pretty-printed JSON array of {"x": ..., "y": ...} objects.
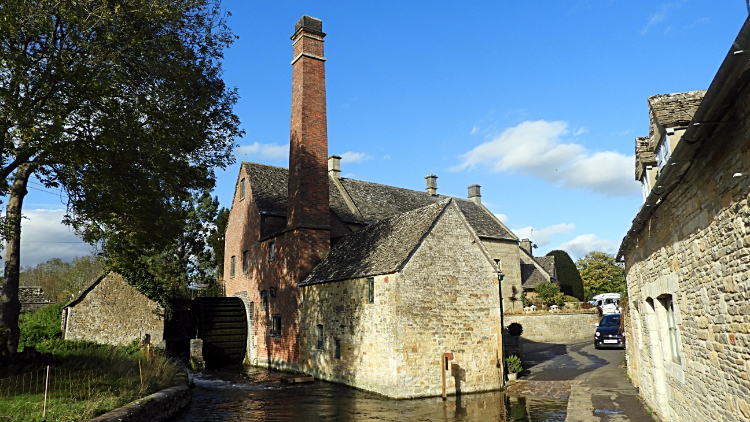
[
  {"x": 686, "y": 254},
  {"x": 111, "y": 311}
]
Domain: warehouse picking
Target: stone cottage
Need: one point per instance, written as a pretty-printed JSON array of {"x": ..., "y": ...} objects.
[
  {"x": 686, "y": 254},
  {"x": 111, "y": 311},
  {"x": 362, "y": 283}
]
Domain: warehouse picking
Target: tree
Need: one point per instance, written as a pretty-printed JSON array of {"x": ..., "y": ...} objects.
[
  {"x": 185, "y": 261},
  {"x": 601, "y": 273},
  {"x": 549, "y": 293},
  {"x": 216, "y": 239},
  {"x": 60, "y": 280},
  {"x": 119, "y": 104},
  {"x": 568, "y": 275}
]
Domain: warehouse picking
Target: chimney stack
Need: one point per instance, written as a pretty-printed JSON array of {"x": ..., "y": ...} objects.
[
  {"x": 334, "y": 166},
  {"x": 526, "y": 245},
  {"x": 308, "y": 205},
  {"x": 474, "y": 195},
  {"x": 431, "y": 184}
]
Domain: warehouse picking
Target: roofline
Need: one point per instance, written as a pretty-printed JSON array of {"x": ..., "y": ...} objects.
[
  {"x": 76, "y": 300},
  {"x": 729, "y": 79}
]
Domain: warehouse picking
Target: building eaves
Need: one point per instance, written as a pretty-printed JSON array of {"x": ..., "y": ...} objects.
[
  {"x": 731, "y": 77},
  {"x": 672, "y": 110}
]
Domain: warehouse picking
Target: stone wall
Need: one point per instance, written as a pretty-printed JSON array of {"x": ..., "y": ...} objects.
[
  {"x": 691, "y": 264},
  {"x": 508, "y": 252},
  {"x": 156, "y": 407},
  {"x": 445, "y": 300},
  {"x": 113, "y": 312},
  {"x": 554, "y": 327},
  {"x": 32, "y": 298}
]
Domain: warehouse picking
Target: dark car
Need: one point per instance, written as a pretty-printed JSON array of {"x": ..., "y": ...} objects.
[{"x": 609, "y": 332}]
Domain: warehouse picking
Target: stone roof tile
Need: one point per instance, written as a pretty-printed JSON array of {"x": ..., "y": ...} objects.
[{"x": 672, "y": 110}]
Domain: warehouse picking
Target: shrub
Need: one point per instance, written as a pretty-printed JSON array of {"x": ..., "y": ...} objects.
[
  {"x": 568, "y": 275},
  {"x": 514, "y": 364},
  {"x": 567, "y": 298},
  {"x": 40, "y": 326},
  {"x": 549, "y": 294}
]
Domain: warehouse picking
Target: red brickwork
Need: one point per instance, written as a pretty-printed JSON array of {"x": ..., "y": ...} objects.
[{"x": 307, "y": 238}]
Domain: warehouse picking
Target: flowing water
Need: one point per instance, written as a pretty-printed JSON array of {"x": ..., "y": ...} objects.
[{"x": 254, "y": 394}]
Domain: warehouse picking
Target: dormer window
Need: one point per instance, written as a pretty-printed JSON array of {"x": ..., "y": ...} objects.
[
  {"x": 645, "y": 185},
  {"x": 662, "y": 153}
]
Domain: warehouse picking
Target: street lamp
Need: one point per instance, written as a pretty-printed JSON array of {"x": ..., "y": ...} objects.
[{"x": 500, "y": 277}]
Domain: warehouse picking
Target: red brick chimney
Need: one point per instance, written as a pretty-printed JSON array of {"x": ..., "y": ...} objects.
[{"x": 308, "y": 150}]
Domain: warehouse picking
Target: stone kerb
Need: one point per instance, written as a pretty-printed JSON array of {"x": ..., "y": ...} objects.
[
  {"x": 564, "y": 326},
  {"x": 156, "y": 407}
]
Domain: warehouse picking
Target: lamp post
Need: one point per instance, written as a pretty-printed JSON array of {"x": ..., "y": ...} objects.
[{"x": 500, "y": 277}]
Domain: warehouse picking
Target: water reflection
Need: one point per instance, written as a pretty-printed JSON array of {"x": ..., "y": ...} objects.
[{"x": 253, "y": 394}]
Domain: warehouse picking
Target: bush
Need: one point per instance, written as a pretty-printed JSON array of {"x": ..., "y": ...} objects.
[
  {"x": 40, "y": 326},
  {"x": 568, "y": 275},
  {"x": 567, "y": 298},
  {"x": 549, "y": 294},
  {"x": 514, "y": 364}
]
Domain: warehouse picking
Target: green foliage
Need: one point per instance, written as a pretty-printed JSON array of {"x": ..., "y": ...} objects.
[
  {"x": 61, "y": 280},
  {"x": 514, "y": 364},
  {"x": 601, "y": 274},
  {"x": 567, "y": 298},
  {"x": 567, "y": 274},
  {"x": 524, "y": 299},
  {"x": 40, "y": 326},
  {"x": 216, "y": 239},
  {"x": 549, "y": 293}
]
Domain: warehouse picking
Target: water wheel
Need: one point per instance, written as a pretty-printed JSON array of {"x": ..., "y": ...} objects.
[{"x": 222, "y": 324}]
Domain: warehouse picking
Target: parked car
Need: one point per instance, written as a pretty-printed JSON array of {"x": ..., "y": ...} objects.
[{"x": 609, "y": 332}]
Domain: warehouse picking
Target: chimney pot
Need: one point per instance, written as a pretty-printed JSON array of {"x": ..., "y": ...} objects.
[
  {"x": 526, "y": 245},
  {"x": 309, "y": 24},
  {"x": 474, "y": 195},
  {"x": 431, "y": 184},
  {"x": 334, "y": 166}
]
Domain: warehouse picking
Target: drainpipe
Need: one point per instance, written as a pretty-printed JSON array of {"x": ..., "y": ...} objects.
[{"x": 500, "y": 277}]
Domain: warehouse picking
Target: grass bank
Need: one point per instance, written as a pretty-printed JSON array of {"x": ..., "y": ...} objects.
[{"x": 85, "y": 379}]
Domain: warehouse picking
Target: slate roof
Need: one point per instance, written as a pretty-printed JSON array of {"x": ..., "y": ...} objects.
[
  {"x": 374, "y": 201},
  {"x": 531, "y": 276},
  {"x": 547, "y": 263},
  {"x": 675, "y": 109},
  {"x": 380, "y": 248}
]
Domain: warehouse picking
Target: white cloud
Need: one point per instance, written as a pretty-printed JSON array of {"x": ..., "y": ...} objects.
[
  {"x": 502, "y": 217},
  {"x": 585, "y": 243},
  {"x": 580, "y": 131},
  {"x": 354, "y": 157},
  {"x": 541, "y": 237},
  {"x": 535, "y": 148},
  {"x": 43, "y": 237},
  {"x": 268, "y": 151},
  {"x": 474, "y": 130},
  {"x": 659, "y": 16}
]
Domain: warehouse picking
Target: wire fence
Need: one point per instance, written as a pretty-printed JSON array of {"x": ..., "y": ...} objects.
[{"x": 62, "y": 383}]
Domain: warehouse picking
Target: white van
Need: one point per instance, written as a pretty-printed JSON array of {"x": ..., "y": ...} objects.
[{"x": 609, "y": 303}]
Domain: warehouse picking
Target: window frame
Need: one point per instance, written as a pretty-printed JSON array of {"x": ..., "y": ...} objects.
[
  {"x": 232, "y": 266},
  {"x": 337, "y": 351},
  {"x": 674, "y": 345},
  {"x": 252, "y": 311},
  {"x": 321, "y": 341},
  {"x": 242, "y": 188},
  {"x": 264, "y": 300},
  {"x": 245, "y": 261},
  {"x": 271, "y": 250},
  {"x": 371, "y": 290},
  {"x": 274, "y": 328}
]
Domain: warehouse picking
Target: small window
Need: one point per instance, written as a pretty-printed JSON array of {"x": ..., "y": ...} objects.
[
  {"x": 672, "y": 327},
  {"x": 320, "y": 336},
  {"x": 252, "y": 310},
  {"x": 231, "y": 268},
  {"x": 275, "y": 325},
  {"x": 273, "y": 291},
  {"x": 245, "y": 262},
  {"x": 370, "y": 290},
  {"x": 242, "y": 189},
  {"x": 264, "y": 300},
  {"x": 271, "y": 250},
  {"x": 337, "y": 353}
]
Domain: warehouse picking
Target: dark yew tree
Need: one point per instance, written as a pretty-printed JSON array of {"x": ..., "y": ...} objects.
[
  {"x": 119, "y": 104},
  {"x": 567, "y": 274}
]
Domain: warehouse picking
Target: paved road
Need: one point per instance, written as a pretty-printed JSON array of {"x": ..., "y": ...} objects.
[{"x": 599, "y": 388}]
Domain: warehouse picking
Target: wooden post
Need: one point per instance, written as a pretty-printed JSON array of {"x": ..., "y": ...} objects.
[{"x": 46, "y": 386}]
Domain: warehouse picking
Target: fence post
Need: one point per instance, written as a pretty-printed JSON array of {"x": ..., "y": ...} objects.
[{"x": 46, "y": 385}]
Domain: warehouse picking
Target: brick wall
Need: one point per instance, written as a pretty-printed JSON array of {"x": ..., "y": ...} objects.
[
  {"x": 444, "y": 300},
  {"x": 695, "y": 251},
  {"x": 114, "y": 312}
]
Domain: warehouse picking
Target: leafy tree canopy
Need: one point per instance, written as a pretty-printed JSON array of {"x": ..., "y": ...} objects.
[
  {"x": 119, "y": 104},
  {"x": 601, "y": 273},
  {"x": 567, "y": 274}
]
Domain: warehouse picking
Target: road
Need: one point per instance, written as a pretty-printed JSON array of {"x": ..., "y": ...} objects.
[{"x": 599, "y": 387}]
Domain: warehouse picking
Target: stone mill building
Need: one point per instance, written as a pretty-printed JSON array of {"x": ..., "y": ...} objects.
[
  {"x": 358, "y": 282},
  {"x": 687, "y": 254}
]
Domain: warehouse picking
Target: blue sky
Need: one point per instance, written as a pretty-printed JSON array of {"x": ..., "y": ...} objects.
[{"x": 539, "y": 102}]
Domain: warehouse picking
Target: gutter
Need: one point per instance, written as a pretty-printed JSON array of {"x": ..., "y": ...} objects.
[{"x": 720, "y": 96}]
